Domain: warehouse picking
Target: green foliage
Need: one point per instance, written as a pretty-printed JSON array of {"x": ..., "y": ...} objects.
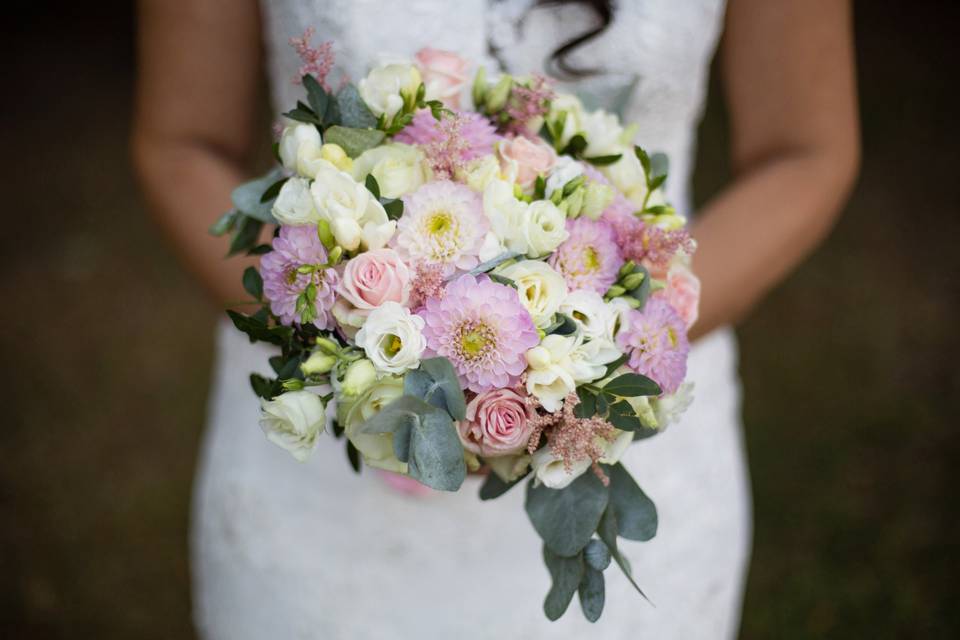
[
  {"x": 601, "y": 161},
  {"x": 562, "y": 325},
  {"x": 567, "y": 518},
  {"x": 436, "y": 382},
  {"x": 425, "y": 438},
  {"x": 592, "y": 593},
  {"x": 248, "y": 197},
  {"x": 353, "y": 111},
  {"x": 597, "y": 555},
  {"x": 273, "y": 190},
  {"x": 505, "y": 281},
  {"x": 253, "y": 283},
  {"x": 354, "y": 141},
  {"x": 245, "y": 236},
  {"x": 635, "y": 513},
  {"x": 353, "y": 456},
  {"x": 257, "y": 329},
  {"x": 630, "y": 385},
  {"x": 565, "y": 574},
  {"x": 493, "y": 486},
  {"x": 225, "y": 223},
  {"x": 607, "y": 530}
]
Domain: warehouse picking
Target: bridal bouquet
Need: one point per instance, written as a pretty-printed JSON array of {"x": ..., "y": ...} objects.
[{"x": 483, "y": 280}]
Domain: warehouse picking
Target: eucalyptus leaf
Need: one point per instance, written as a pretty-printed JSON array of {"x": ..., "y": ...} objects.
[
  {"x": 592, "y": 593},
  {"x": 565, "y": 574},
  {"x": 224, "y": 223},
  {"x": 353, "y": 110},
  {"x": 247, "y": 197},
  {"x": 493, "y": 486},
  {"x": 245, "y": 236},
  {"x": 436, "y": 382},
  {"x": 597, "y": 555},
  {"x": 635, "y": 512},
  {"x": 630, "y": 385},
  {"x": 499, "y": 279},
  {"x": 608, "y": 534},
  {"x": 484, "y": 267},
  {"x": 659, "y": 164},
  {"x": 567, "y": 518},
  {"x": 354, "y": 141}
]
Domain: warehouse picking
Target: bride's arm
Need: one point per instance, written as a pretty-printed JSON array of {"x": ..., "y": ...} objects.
[
  {"x": 788, "y": 72},
  {"x": 196, "y": 103}
]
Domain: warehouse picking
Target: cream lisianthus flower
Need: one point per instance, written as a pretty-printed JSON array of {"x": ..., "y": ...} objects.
[
  {"x": 294, "y": 204},
  {"x": 392, "y": 338},
  {"x": 540, "y": 287},
  {"x": 293, "y": 421},
  {"x": 595, "y": 317},
  {"x": 299, "y": 148},
  {"x": 356, "y": 218},
  {"x": 399, "y": 168},
  {"x": 387, "y": 87},
  {"x": 541, "y": 228},
  {"x": 549, "y": 469},
  {"x": 550, "y": 372},
  {"x": 376, "y": 448}
]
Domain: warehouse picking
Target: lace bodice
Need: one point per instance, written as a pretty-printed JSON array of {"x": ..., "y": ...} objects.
[{"x": 653, "y": 58}]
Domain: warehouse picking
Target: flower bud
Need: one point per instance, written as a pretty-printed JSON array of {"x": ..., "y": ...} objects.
[
  {"x": 318, "y": 363},
  {"x": 574, "y": 203},
  {"x": 538, "y": 357},
  {"x": 335, "y": 254},
  {"x": 627, "y": 268},
  {"x": 596, "y": 198},
  {"x": 326, "y": 237},
  {"x": 292, "y": 384},
  {"x": 360, "y": 376},
  {"x": 479, "y": 91},
  {"x": 616, "y": 290},
  {"x": 335, "y": 155},
  {"x": 497, "y": 96},
  {"x": 633, "y": 280},
  {"x": 328, "y": 346}
]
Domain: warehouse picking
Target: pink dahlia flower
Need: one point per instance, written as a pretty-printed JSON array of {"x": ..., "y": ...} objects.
[
  {"x": 656, "y": 340},
  {"x": 442, "y": 223},
  {"x": 590, "y": 257},
  {"x": 481, "y": 327},
  {"x": 291, "y": 296}
]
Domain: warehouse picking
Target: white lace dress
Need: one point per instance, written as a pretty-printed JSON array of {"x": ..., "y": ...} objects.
[{"x": 286, "y": 550}]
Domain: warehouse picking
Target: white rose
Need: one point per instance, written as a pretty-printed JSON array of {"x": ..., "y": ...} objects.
[
  {"x": 627, "y": 175},
  {"x": 550, "y": 373},
  {"x": 392, "y": 338},
  {"x": 399, "y": 168},
  {"x": 356, "y": 218},
  {"x": 376, "y": 448},
  {"x": 595, "y": 317},
  {"x": 540, "y": 288},
  {"x": 565, "y": 170},
  {"x": 299, "y": 148},
  {"x": 604, "y": 134},
  {"x": 589, "y": 359},
  {"x": 543, "y": 228},
  {"x": 386, "y": 87},
  {"x": 293, "y": 421},
  {"x": 294, "y": 204},
  {"x": 549, "y": 470}
]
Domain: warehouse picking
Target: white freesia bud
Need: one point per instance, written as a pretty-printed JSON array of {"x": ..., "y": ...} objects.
[
  {"x": 293, "y": 421},
  {"x": 335, "y": 155},
  {"x": 355, "y": 217},
  {"x": 542, "y": 228},
  {"x": 550, "y": 374},
  {"x": 549, "y": 470},
  {"x": 360, "y": 375},
  {"x": 294, "y": 204},
  {"x": 386, "y": 88},
  {"x": 299, "y": 148},
  {"x": 565, "y": 170},
  {"x": 392, "y": 338},
  {"x": 376, "y": 448},
  {"x": 399, "y": 168},
  {"x": 318, "y": 363},
  {"x": 604, "y": 134},
  {"x": 540, "y": 288}
]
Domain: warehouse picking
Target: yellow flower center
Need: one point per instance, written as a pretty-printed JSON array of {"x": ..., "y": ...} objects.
[
  {"x": 591, "y": 262},
  {"x": 393, "y": 345},
  {"x": 475, "y": 340},
  {"x": 440, "y": 224}
]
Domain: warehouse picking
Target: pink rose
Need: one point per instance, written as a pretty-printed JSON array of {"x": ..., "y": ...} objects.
[
  {"x": 444, "y": 75},
  {"x": 532, "y": 158},
  {"x": 683, "y": 293},
  {"x": 375, "y": 277},
  {"x": 497, "y": 424}
]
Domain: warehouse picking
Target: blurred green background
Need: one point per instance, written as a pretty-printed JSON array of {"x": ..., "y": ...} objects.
[{"x": 850, "y": 368}]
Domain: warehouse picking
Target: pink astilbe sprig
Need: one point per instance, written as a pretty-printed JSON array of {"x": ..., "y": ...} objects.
[
  {"x": 528, "y": 102},
  {"x": 449, "y": 143},
  {"x": 315, "y": 61},
  {"x": 428, "y": 282},
  {"x": 572, "y": 439},
  {"x": 646, "y": 243}
]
